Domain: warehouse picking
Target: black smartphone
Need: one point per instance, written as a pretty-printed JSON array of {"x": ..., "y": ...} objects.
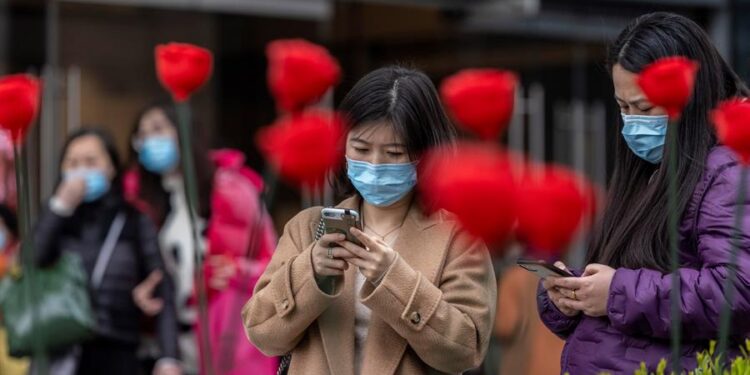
[
  {"x": 543, "y": 269},
  {"x": 339, "y": 220}
]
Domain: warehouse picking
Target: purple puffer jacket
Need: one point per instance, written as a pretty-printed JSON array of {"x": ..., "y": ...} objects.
[{"x": 637, "y": 326}]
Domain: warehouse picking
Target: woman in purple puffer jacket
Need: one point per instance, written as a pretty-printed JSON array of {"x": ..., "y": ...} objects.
[{"x": 618, "y": 313}]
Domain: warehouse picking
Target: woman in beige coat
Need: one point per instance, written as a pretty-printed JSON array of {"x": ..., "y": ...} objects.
[{"x": 419, "y": 297}]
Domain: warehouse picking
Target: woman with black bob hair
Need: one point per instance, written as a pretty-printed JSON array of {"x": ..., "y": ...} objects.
[
  {"x": 617, "y": 314},
  {"x": 86, "y": 209},
  {"x": 419, "y": 295}
]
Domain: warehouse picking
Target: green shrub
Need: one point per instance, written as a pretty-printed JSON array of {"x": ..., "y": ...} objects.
[{"x": 708, "y": 364}]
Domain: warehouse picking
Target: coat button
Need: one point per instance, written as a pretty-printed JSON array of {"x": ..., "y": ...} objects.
[
  {"x": 285, "y": 304},
  {"x": 415, "y": 318}
]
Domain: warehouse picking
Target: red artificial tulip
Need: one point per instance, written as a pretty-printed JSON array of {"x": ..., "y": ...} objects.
[
  {"x": 480, "y": 100},
  {"x": 19, "y": 104},
  {"x": 183, "y": 68},
  {"x": 554, "y": 202},
  {"x": 304, "y": 147},
  {"x": 732, "y": 121},
  {"x": 475, "y": 183},
  {"x": 668, "y": 83},
  {"x": 299, "y": 72}
]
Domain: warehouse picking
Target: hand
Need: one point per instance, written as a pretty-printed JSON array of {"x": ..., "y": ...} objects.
[
  {"x": 71, "y": 192},
  {"x": 323, "y": 265},
  {"x": 143, "y": 294},
  {"x": 588, "y": 293},
  {"x": 223, "y": 269},
  {"x": 554, "y": 293},
  {"x": 167, "y": 369},
  {"x": 374, "y": 260}
]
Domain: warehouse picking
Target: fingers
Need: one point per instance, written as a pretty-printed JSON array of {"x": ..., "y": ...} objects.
[
  {"x": 366, "y": 240},
  {"x": 152, "y": 307},
  {"x": 567, "y": 293},
  {"x": 357, "y": 251},
  {"x": 336, "y": 264},
  {"x": 359, "y": 262},
  {"x": 342, "y": 253},
  {"x": 153, "y": 278},
  {"x": 327, "y": 240},
  {"x": 548, "y": 283},
  {"x": 572, "y": 283},
  {"x": 571, "y": 304},
  {"x": 592, "y": 269}
]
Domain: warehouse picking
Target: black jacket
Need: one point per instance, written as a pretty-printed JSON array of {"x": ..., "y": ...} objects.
[{"x": 134, "y": 257}]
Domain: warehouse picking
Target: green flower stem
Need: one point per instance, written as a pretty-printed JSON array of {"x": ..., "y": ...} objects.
[
  {"x": 672, "y": 225},
  {"x": 27, "y": 256},
  {"x": 191, "y": 192},
  {"x": 729, "y": 287}
]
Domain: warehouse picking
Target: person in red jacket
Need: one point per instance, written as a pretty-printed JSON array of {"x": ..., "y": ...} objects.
[{"x": 238, "y": 235}]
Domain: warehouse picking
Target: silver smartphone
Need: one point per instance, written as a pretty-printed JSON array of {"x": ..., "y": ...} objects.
[
  {"x": 543, "y": 269},
  {"x": 339, "y": 220}
]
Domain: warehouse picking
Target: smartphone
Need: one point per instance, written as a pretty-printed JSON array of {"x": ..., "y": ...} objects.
[
  {"x": 543, "y": 269},
  {"x": 339, "y": 220}
]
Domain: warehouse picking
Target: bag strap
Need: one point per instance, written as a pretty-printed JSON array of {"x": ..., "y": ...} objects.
[
  {"x": 108, "y": 247},
  {"x": 321, "y": 229}
]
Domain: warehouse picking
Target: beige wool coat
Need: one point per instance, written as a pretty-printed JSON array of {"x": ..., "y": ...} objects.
[{"x": 432, "y": 312}]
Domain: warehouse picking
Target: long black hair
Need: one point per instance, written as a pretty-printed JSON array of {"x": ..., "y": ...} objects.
[
  {"x": 151, "y": 189},
  {"x": 404, "y": 98},
  {"x": 633, "y": 229},
  {"x": 109, "y": 147}
]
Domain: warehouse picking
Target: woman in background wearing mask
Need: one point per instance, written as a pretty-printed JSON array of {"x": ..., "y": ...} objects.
[
  {"x": 419, "y": 296},
  {"x": 239, "y": 236},
  {"x": 86, "y": 206},
  {"x": 618, "y": 314}
]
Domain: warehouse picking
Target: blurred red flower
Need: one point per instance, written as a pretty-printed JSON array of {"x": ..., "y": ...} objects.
[
  {"x": 668, "y": 83},
  {"x": 732, "y": 121},
  {"x": 19, "y": 104},
  {"x": 303, "y": 147},
  {"x": 182, "y": 68},
  {"x": 299, "y": 72},
  {"x": 553, "y": 203},
  {"x": 480, "y": 100},
  {"x": 475, "y": 183}
]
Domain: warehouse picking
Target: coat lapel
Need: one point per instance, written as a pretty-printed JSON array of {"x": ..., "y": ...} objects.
[{"x": 422, "y": 245}]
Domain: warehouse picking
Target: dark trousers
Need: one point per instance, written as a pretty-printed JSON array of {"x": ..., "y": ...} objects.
[{"x": 108, "y": 357}]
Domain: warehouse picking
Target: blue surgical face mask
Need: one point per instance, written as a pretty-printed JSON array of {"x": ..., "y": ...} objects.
[
  {"x": 159, "y": 154},
  {"x": 382, "y": 184},
  {"x": 645, "y": 135},
  {"x": 97, "y": 183}
]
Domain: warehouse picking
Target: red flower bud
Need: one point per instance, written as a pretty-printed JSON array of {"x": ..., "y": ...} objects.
[
  {"x": 732, "y": 121},
  {"x": 19, "y": 104},
  {"x": 475, "y": 183},
  {"x": 182, "y": 68},
  {"x": 554, "y": 203},
  {"x": 480, "y": 100},
  {"x": 299, "y": 73},
  {"x": 303, "y": 147},
  {"x": 668, "y": 83}
]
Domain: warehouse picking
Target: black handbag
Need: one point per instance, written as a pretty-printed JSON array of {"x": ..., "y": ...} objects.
[{"x": 286, "y": 359}]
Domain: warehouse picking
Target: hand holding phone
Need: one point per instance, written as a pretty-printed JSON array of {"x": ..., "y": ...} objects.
[{"x": 543, "y": 269}]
